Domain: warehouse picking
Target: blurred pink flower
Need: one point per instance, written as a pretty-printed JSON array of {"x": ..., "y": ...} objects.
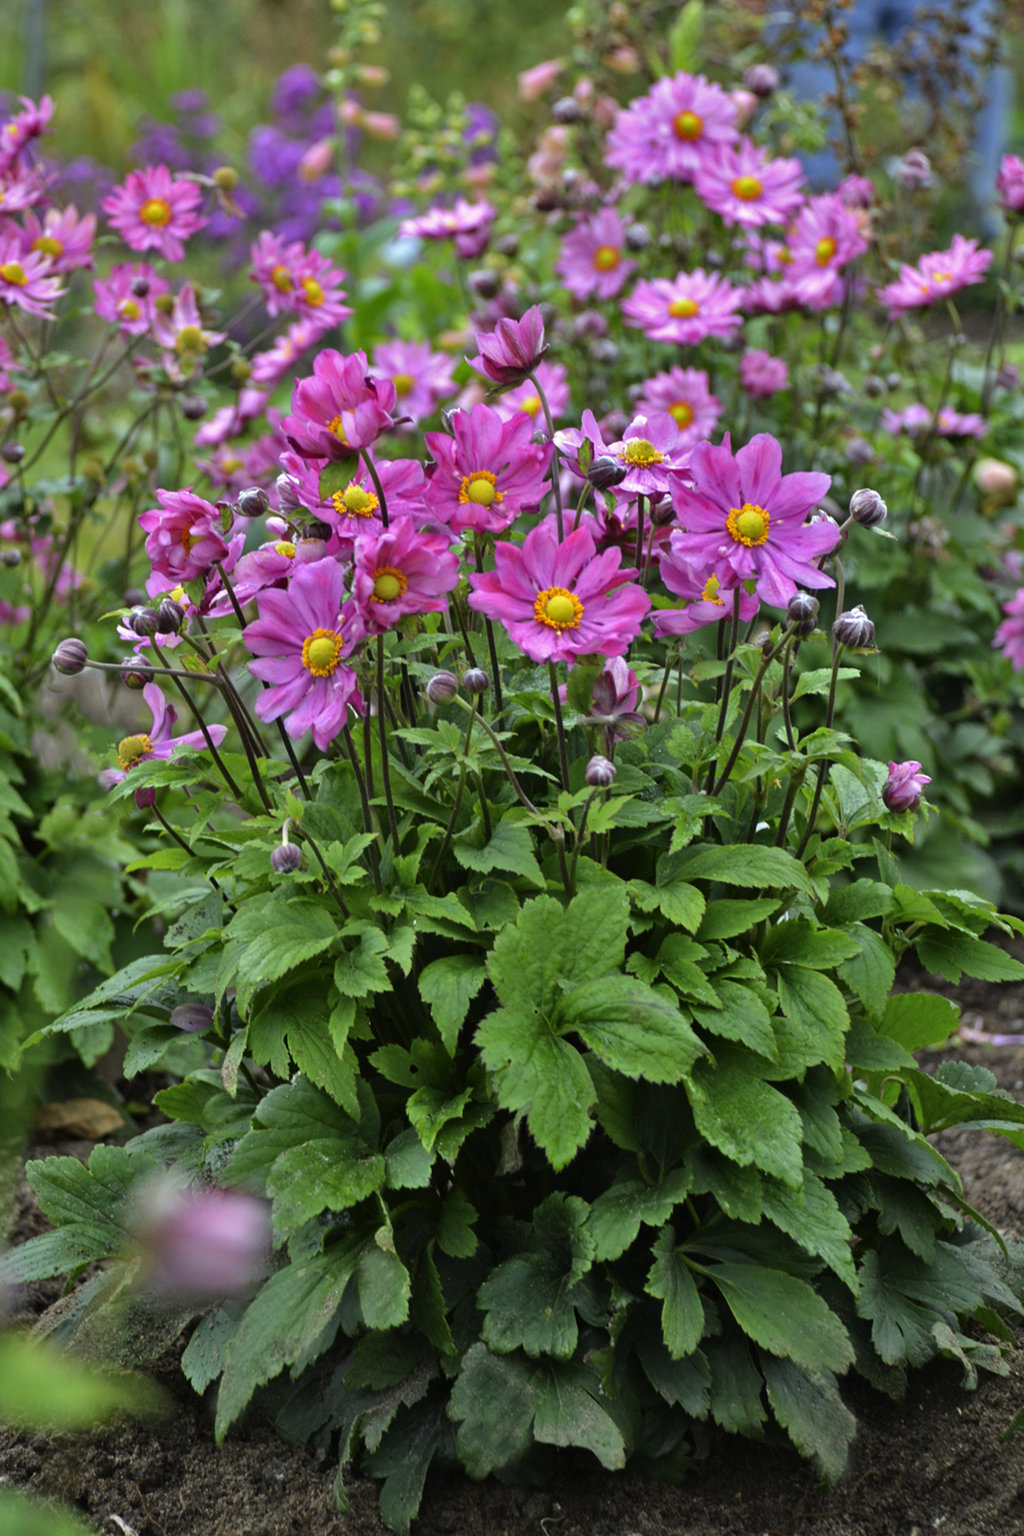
[
  {"x": 685, "y": 309},
  {"x": 591, "y": 263},
  {"x": 1009, "y": 637},
  {"x": 27, "y": 280},
  {"x": 125, "y": 296},
  {"x": 667, "y": 134},
  {"x": 684, "y": 394},
  {"x": 153, "y": 210},
  {"x": 201, "y": 1243},
  {"x": 762, "y": 375},
  {"x": 937, "y": 274},
  {"x": 746, "y": 186},
  {"x": 422, "y": 377},
  {"x": 468, "y": 224},
  {"x": 538, "y": 79}
]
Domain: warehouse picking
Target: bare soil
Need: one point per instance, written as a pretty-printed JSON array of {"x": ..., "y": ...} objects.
[{"x": 942, "y": 1460}]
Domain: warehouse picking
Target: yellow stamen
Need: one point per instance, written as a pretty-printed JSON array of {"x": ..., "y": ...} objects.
[
  {"x": 189, "y": 339},
  {"x": 748, "y": 524},
  {"x": 683, "y": 309},
  {"x": 687, "y": 126},
  {"x": 531, "y": 405},
  {"x": 747, "y": 188},
  {"x": 282, "y": 279},
  {"x": 155, "y": 210},
  {"x": 132, "y": 750},
  {"x": 558, "y": 608},
  {"x": 285, "y": 547},
  {"x": 321, "y": 652},
  {"x": 403, "y": 383},
  {"x": 682, "y": 412},
  {"x": 334, "y": 425},
  {"x": 389, "y": 583},
  {"x": 13, "y": 272},
  {"x": 709, "y": 591},
  {"x": 825, "y": 250},
  {"x": 607, "y": 258},
  {"x": 353, "y": 501},
  {"x": 48, "y": 245},
  {"x": 128, "y": 309},
  {"x": 481, "y": 488},
  {"x": 640, "y": 453},
  {"x": 314, "y": 293}
]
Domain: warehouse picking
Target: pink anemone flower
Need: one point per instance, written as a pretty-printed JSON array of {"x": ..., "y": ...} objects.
[
  {"x": 401, "y": 571},
  {"x": 487, "y": 472},
  {"x": 592, "y": 263},
  {"x": 157, "y": 744},
  {"x": 155, "y": 211},
  {"x": 745, "y": 185},
  {"x": 685, "y": 309},
  {"x": 340, "y": 410},
  {"x": 684, "y": 394},
  {"x": 184, "y": 536},
  {"x": 937, "y": 274},
  {"x": 27, "y": 280},
  {"x": 668, "y": 134}
]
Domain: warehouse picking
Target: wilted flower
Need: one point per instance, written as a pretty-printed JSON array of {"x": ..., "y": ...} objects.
[{"x": 903, "y": 789}]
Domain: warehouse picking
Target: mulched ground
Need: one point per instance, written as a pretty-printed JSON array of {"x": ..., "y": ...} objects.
[{"x": 938, "y": 1461}]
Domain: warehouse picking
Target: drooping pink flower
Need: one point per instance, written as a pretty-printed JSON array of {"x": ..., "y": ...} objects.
[
  {"x": 745, "y": 520},
  {"x": 592, "y": 263},
  {"x": 155, "y": 211},
  {"x": 745, "y": 185},
  {"x": 937, "y": 274},
  {"x": 668, "y": 134},
  {"x": 184, "y": 536},
  {"x": 157, "y": 744},
  {"x": 1010, "y": 184},
  {"x": 510, "y": 353},
  {"x": 684, "y": 394},
  {"x": 1009, "y": 637},
  {"x": 300, "y": 641},
  {"x": 468, "y": 224},
  {"x": 904, "y": 788},
  {"x": 684, "y": 309},
  {"x": 561, "y": 600},
  {"x": 27, "y": 280},
  {"x": 62, "y": 236},
  {"x": 487, "y": 472},
  {"x": 341, "y": 409},
  {"x": 298, "y": 281},
  {"x": 614, "y": 701},
  {"x": 700, "y": 591},
  {"x": 401, "y": 570},
  {"x": 125, "y": 296},
  {"x": 421, "y": 376},
  {"x": 762, "y": 375}
]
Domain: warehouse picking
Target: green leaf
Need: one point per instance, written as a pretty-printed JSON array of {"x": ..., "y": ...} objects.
[
  {"x": 529, "y": 1301},
  {"x": 632, "y": 1028},
  {"x": 808, "y": 1406},
  {"x": 744, "y": 864},
  {"x": 798, "y": 942},
  {"x": 536, "y": 1071},
  {"x": 493, "y": 1403},
  {"x": 813, "y": 1219},
  {"x": 403, "y": 1461},
  {"x": 277, "y": 935},
  {"x": 91, "y": 1200},
  {"x": 300, "y": 1018},
  {"x": 455, "y": 1235},
  {"x": 814, "y": 1018},
  {"x": 950, "y": 954},
  {"x": 203, "y": 1359},
  {"x": 856, "y": 902},
  {"x": 448, "y": 986},
  {"x": 551, "y": 948},
  {"x": 383, "y": 1281},
  {"x": 685, "y": 36},
  {"x": 736, "y": 1386},
  {"x": 617, "y": 1213},
  {"x": 360, "y": 970},
  {"x": 22, "y": 1514},
  {"x": 509, "y": 848},
  {"x": 671, "y": 1281},
  {"x": 568, "y": 1412},
  {"x": 919, "y": 1019},
  {"x": 871, "y": 973},
  {"x": 746, "y": 1118},
  {"x": 729, "y": 916},
  {"x": 784, "y": 1315},
  {"x": 742, "y": 1016},
  {"x": 329, "y": 1174},
  {"x": 42, "y": 1388}
]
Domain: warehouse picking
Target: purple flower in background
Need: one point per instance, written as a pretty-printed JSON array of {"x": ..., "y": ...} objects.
[
  {"x": 201, "y": 1243},
  {"x": 1009, "y": 637},
  {"x": 685, "y": 309},
  {"x": 762, "y": 375},
  {"x": 468, "y": 224},
  {"x": 421, "y": 376},
  {"x": 684, "y": 394},
  {"x": 903, "y": 789},
  {"x": 592, "y": 263}
]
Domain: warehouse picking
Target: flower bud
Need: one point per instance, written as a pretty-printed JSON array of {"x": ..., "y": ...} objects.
[
  {"x": 202, "y": 1243},
  {"x": 442, "y": 688},
  {"x": 253, "y": 502},
  {"x": 855, "y": 629},
  {"x": 170, "y": 617},
  {"x": 638, "y": 237},
  {"x": 605, "y": 472},
  {"x": 70, "y": 657},
  {"x": 140, "y": 287},
  {"x": 484, "y": 283},
  {"x": 507, "y": 245},
  {"x": 192, "y": 407},
  {"x": 600, "y": 772},
  {"x": 12, "y": 452},
  {"x": 475, "y": 681},
  {"x": 914, "y": 170},
  {"x": 997, "y": 481},
  {"x": 144, "y": 622},
  {"x": 873, "y": 386},
  {"x": 286, "y": 858},
  {"x": 193, "y": 1018},
  {"x": 868, "y": 508},
  {"x": 802, "y": 613},
  {"x": 903, "y": 789},
  {"x": 11, "y": 558},
  {"x": 762, "y": 79},
  {"x": 226, "y": 177},
  {"x": 567, "y": 110},
  {"x": 605, "y": 352},
  {"x": 135, "y": 674}
]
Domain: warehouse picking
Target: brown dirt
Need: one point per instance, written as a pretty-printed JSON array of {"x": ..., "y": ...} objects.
[{"x": 935, "y": 1462}]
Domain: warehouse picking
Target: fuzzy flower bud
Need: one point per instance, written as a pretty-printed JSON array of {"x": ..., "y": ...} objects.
[
  {"x": 476, "y": 680},
  {"x": 193, "y": 1018},
  {"x": 144, "y": 622},
  {"x": 914, "y": 170},
  {"x": 286, "y": 858},
  {"x": 761, "y": 79},
  {"x": 170, "y": 617},
  {"x": 442, "y": 688},
  {"x": 600, "y": 772},
  {"x": 802, "y": 613},
  {"x": 253, "y": 502},
  {"x": 605, "y": 473},
  {"x": 70, "y": 657},
  {"x": 997, "y": 481},
  {"x": 135, "y": 674},
  {"x": 10, "y": 558},
  {"x": 868, "y": 508},
  {"x": 903, "y": 789},
  {"x": 855, "y": 629}
]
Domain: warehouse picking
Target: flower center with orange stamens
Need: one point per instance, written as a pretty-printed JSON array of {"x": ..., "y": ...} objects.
[
  {"x": 314, "y": 293},
  {"x": 607, "y": 258},
  {"x": 403, "y": 383},
  {"x": 825, "y": 250},
  {"x": 687, "y": 126},
  {"x": 683, "y": 309},
  {"x": 334, "y": 425},
  {"x": 747, "y": 188},
  {"x": 132, "y": 750},
  {"x": 13, "y": 272},
  {"x": 321, "y": 652},
  {"x": 682, "y": 412},
  {"x": 558, "y": 608},
  {"x": 281, "y": 279},
  {"x": 155, "y": 211},
  {"x": 285, "y": 547},
  {"x": 230, "y": 464},
  {"x": 389, "y": 584},
  {"x": 639, "y": 453},
  {"x": 186, "y": 540},
  {"x": 481, "y": 488},
  {"x": 48, "y": 245},
  {"x": 353, "y": 501},
  {"x": 709, "y": 591},
  {"x": 748, "y": 524}
]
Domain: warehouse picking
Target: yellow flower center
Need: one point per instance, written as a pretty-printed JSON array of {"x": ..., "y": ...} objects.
[
  {"x": 132, "y": 750},
  {"x": 314, "y": 293},
  {"x": 155, "y": 210},
  {"x": 231, "y": 463},
  {"x": 403, "y": 383},
  {"x": 281, "y": 279},
  {"x": 189, "y": 339},
  {"x": 13, "y": 272},
  {"x": 389, "y": 583},
  {"x": 607, "y": 258},
  {"x": 186, "y": 541},
  {"x": 687, "y": 126},
  {"x": 48, "y": 245},
  {"x": 825, "y": 250},
  {"x": 683, "y": 309},
  {"x": 321, "y": 651},
  {"x": 682, "y": 412},
  {"x": 558, "y": 608},
  {"x": 334, "y": 425},
  {"x": 481, "y": 488},
  {"x": 285, "y": 547},
  {"x": 748, "y": 524},
  {"x": 640, "y": 453},
  {"x": 128, "y": 309},
  {"x": 353, "y": 501},
  {"x": 747, "y": 188},
  {"x": 531, "y": 405},
  {"x": 709, "y": 591}
]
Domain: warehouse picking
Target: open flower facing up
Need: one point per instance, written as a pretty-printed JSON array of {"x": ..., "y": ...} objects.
[
  {"x": 592, "y": 264},
  {"x": 667, "y": 134},
  {"x": 936, "y": 276},
  {"x": 155, "y": 211},
  {"x": 651, "y": 451},
  {"x": 298, "y": 281},
  {"x": 487, "y": 472},
  {"x": 341, "y": 409},
  {"x": 685, "y": 309},
  {"x": 559, "y": 600},
  {"x": 27, "y": 280},
  {"x": 746, "y": 521},
  {"x": 300, "y": 641},
  {"x": 468, "y": 224},
  {"x": 747, "y": 186},
  {"x": 825, "y": 237},
  {"x": 904, "y": 788},
  {"x": 400, "y": 571},
  {"x": 157, "y": 744},
  {"x": 421, "y": 376}
]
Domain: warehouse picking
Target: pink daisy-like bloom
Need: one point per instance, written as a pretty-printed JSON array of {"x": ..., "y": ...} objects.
[
  {"x": 182, "y": 335},
  {"x": 400, "y": 571},
  {"x": 937, "y": 274},
  {"x": 341, "y": 409},
  {"x": 825, "y": 237},
  {"x": 762, "y": 375},
  {"x": 27, "y": 280},
  {"x": 700, "y": 590},
  {"x": 745, "y": 186},
  {"x": 916, "y": 420},
  {"x": 746, "y": 521},
  {"x": 1009, "y": 637},
  {"x": 157, "y": 744},
  {"x": 468, "y": 224},
  {"x": 1010, "y": 184},
  {"x": 64, "y": 238},
  {"x": 117, "y": 297},
  {"x": 155, "y": 211},
  {"x": 300, "y": 641},
  {"x": 684, "y": 394},
  {"x": 270, "y": 566},
  {"x": 561, "y": 600},
  {"x": 231, "y": 420},
  {"x": 21, "y": 186},
  {"x": 667, "y": 134},
  {"x": 278, "y": 361},
  {"x": 487, "y": 472},
  {"x": 592, "y": 263},
  {"x": 422, "y": 377},
  {"x": 184, "y": 537},
  {"x": 553, "y": 379},
  {"x": 685, "y": 309},
  {"x": 298, "y": 281},
  {"x": 23, "y": 127},
  {"x": 904, "y": 787}
]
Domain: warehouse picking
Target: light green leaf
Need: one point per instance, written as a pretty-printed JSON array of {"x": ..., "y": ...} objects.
[
  {"x": 632, "y": 1028},
  {"x": 919, "y": 1019},
  {"x": 744, "y": 864},
  {"x": 729, "y": 916},
  {"x": 509, "y": 848},
  {"x": 671, "y": 1281},
  {"x": 537, "y": 1071},
  {"x": 448, "y": 986}
]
